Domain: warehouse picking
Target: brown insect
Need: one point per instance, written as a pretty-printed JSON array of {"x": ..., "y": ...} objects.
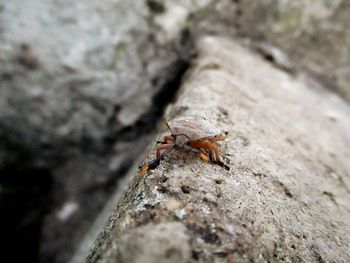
[{"x": 190, "y": 133}]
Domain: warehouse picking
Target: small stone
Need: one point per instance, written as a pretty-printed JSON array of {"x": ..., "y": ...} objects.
[
  {"x": 270, "y": 247},
  {"x": 172, "y": 205}
]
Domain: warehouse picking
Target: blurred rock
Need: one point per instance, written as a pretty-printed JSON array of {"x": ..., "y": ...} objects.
[
  {"x": 70, "y": 71},
  {"x": 78, "y": 78},
  {"x": 314, "y": 34}
]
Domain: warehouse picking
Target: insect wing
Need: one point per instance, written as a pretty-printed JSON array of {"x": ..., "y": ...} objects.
[{"x": 195, "y": 127}]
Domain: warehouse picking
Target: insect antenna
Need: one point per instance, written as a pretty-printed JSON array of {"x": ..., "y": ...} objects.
[{"x": 167, "y": 124}]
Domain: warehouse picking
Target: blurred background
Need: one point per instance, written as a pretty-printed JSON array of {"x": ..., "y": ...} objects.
[{"x": 83, "y": 85}]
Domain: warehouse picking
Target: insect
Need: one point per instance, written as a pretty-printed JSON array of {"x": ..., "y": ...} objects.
[{"x": 190, "y": 133}]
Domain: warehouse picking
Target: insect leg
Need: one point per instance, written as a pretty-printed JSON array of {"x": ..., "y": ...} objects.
[
  {"x": 143, "y": 169},
  {"x": 215, "y": 153},
  {"x": 203, "y": 156},
  {"x": 206, "y": 145},
  {"x": 167, "y": 139},
  {"x": 162, "y": 147},
  {"x": 213, "y": 150}
]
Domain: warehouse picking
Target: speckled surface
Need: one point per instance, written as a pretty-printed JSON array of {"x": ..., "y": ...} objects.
[
  {"x": 75, "y": 74},
  {"x": 287, "y": 194}
]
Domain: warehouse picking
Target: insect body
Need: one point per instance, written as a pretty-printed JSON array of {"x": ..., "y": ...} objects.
[{"x": 189, "y": 133}]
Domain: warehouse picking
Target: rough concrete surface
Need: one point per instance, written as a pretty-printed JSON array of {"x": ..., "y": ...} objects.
[{"x": 286, "y": 196}]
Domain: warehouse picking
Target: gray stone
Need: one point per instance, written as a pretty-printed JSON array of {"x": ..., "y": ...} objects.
[
  {"x": 166, "y": 242},
  {"x": 78, "y": 78},
  {"x": 286, "y": 196},
  {"x": 81, "y": 82}
]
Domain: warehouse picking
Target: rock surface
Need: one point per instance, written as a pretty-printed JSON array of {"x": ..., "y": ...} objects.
[
  {"x": 83, "y": 71},
  {"x": 314, "y": 34},
  {"x": 83, "y": 84},
  {"x": 286, "y": 196}
]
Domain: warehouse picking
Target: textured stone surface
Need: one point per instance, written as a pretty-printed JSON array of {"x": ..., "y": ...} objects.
[
  {"x": 81, "y": 82},
  {"x": 287, "y": 194},
  {"x": 168, "y": 242}
]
